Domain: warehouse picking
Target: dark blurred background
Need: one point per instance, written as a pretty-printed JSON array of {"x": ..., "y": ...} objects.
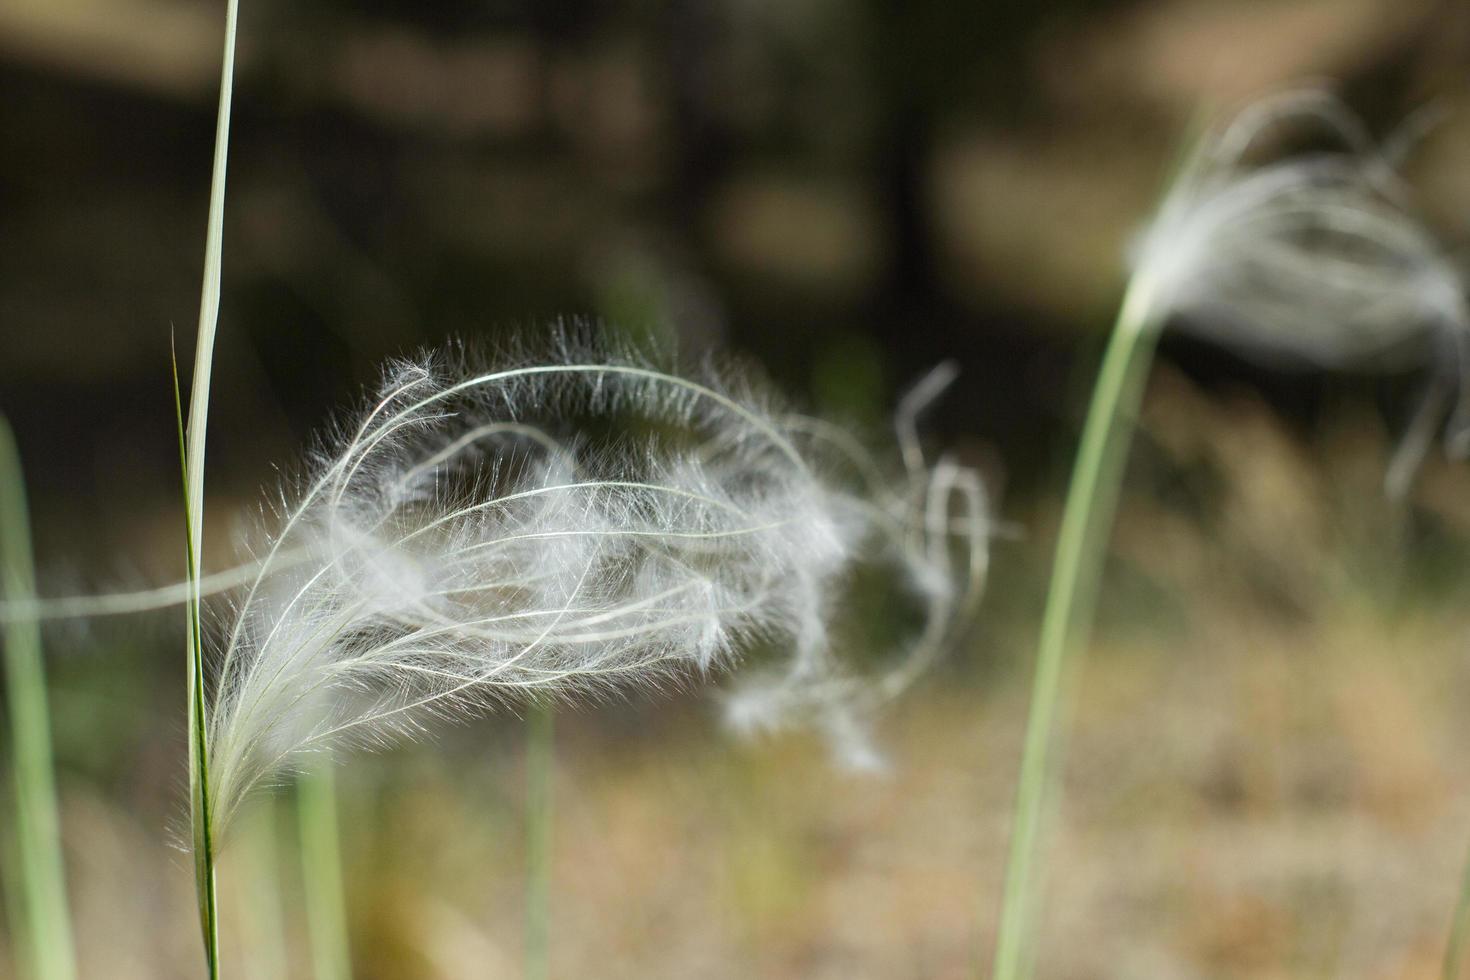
[{"x": 845, "y": 193}]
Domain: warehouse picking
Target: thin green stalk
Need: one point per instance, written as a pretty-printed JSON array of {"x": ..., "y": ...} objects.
[
  {"x": 321, "y": 865},
  {"x": 192, "y": 457},
  {"x": 540, "y": 766},
  {"x": 1087, "y": 519},
  {"x": 1454, "y": 953},
  {"x": 13, "y": 890},
  {"x": 263, "y": 924},
  {"x": 47, "y": 923}
]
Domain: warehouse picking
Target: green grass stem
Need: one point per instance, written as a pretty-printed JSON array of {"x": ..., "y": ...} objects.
[
  {"x": 321, "y": 866},
  {"x": 1087, "y": 520},
  {"x": 262, "y": 919},
  {"x": 1454, "y": 953},
  {"x": 41, "y": 876},
  {"x": 192, "y": 456},
  {"x": 540, "y": 772},
  {"x": 202, "y": 837}
]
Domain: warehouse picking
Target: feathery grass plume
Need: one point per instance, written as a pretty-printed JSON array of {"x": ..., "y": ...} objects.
[
  {"x": 570, "y": 527},
  {"x": 40, "y": 917},
  {"x": 1311, "y": 258},
  {"x": 1314, "y": 259},
  {"x": 933, "y": 526}
]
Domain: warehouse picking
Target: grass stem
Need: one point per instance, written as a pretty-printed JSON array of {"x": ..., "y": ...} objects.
[
  {"x": 262, "y": 920},
  {"x": 42, "y": 878},
  {"x": 540, "y": 770},
  {"x": 1454, "y": 953},
  {"x": 321, "y": 865},
  {"x": 192, "y": 458},
  {"x": 1087, "y": 519},
  {"x": 199, "y": 799}
]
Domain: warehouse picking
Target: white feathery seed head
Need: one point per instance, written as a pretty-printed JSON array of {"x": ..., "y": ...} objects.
[
  {"x": 1313, "y": 258},
  {"x": 571, "y": 526}
]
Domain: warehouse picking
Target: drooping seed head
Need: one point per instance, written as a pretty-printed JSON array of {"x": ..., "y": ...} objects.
[{"x": 1313, "y": 258}]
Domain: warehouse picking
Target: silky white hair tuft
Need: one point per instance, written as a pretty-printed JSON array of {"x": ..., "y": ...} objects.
[
  {"x": 568, "y": 526},
  {"x": 1315, "y": 258}
]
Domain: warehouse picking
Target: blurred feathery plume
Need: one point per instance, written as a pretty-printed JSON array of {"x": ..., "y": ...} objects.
[
  {"x": 571, "y": 527},
  {"x": 1315, "y": 258}
]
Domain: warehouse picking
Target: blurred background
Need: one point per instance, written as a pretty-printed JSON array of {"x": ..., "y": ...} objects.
[{"x": 1268, "y": 776}]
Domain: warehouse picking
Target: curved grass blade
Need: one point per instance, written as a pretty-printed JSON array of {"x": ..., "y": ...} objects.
[
  {"x": 1081, "y": 552},
  {"x": 1087, "y": 517}
]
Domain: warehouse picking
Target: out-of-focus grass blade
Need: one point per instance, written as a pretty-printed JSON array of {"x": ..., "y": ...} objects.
[
  {"x": 41, "y": 881},
  {"x": 1071, "y": 597},
  {"x": 1087, "y": 518},
  {"x": 262, "y": 919},
  {"x": 1454, "y": 953},
  {"x": 540, "y": 765},
  {"x": 321, "y": 866}
]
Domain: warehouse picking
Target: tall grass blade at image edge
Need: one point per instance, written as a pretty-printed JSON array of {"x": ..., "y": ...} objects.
[
  {"x": 540, "y": 772},
  {"x": 1454, "y": 954},
  {"x": 1087, "y": 517},
  {"x": 191, "y": 448},
  {"x": 42, "y": 927}
]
